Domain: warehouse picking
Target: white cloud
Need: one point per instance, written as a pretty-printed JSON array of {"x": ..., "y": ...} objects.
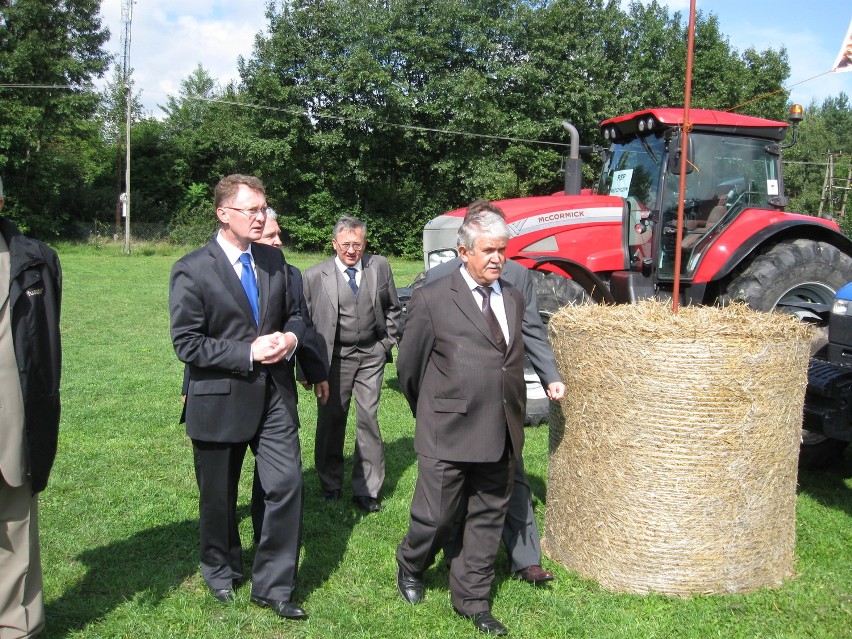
[{"x": 169, "y": 39}]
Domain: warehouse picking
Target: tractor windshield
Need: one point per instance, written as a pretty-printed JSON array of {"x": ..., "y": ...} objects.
[
  {"x": 633, "y": 170},
  {"x": 726, "y": 175}
]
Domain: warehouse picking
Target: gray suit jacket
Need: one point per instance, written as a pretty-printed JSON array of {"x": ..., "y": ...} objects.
[
  {"x": 320, "y": 289},
  {"x": 536, "y": 344},
  {"x": 463, "y": 390},
  {"x": 212, "y": 329}
]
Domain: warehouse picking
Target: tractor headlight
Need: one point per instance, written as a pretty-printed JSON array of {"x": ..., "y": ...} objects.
[{"x": 842, "y": 307}]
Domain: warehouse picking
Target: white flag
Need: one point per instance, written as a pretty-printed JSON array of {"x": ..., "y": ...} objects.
[{"x": 844, "y": 58}]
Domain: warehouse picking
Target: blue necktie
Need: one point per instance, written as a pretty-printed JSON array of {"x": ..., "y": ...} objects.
[
  {"x": 352, "y": 283},
  {"x": 249, "y": 284}
]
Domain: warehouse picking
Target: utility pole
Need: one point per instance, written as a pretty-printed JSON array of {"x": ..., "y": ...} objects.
[
  {"x": 831, "y": 184},
  {"x": 126, "y": 18}
]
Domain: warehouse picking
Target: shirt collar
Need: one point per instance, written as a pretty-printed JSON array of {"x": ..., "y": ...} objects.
[
  {"x": 231, "y": 252},
  {"x": 342, "y": 267},
  {"x": 472, "y": 283}
]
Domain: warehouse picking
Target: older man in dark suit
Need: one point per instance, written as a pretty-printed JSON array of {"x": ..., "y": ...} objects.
[
  {"x": 520, "y": 532},
  {"x": 461, "y": 367},
  {"x": 355, "y": 309},
  {"x": 311, "y": 363},
  {"x": 234, "y": 325}
]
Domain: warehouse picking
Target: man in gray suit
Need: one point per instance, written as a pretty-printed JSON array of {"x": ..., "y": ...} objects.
[
  {"x": 520, "y": 532},
  {"x": 234, "y": 323},
  {"x": 30, "y": 360},
  {"x": 355, "y": 309},
  {"x": 461, "y": 368}
]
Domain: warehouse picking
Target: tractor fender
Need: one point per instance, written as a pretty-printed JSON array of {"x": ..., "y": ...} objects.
[
  {"x": 740, "y": 241},
  {"x": 591, "y": 282}
]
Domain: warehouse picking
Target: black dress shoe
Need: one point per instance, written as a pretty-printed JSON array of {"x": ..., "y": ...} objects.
[
  {"x": 281, "y": 608},
  {"x": 409, "y": 586},
  {"x": 484, "y": 622},
  {"x": 367, "y": 504},
  {"x": 223, "y": 595},
  {"x": 535, "y": 575},
  {"x": 331, "y": 495}
]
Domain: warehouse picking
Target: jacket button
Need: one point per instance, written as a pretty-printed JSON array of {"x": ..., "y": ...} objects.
[{"x": 262, "y": 376}]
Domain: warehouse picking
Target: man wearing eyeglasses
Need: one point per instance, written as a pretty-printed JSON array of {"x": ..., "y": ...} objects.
[
  {"x": 354, "y": 306},
  {"x": 234, "y": 324}
]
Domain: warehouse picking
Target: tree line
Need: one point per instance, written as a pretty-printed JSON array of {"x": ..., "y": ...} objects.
[{"x": 393, "y": 111}]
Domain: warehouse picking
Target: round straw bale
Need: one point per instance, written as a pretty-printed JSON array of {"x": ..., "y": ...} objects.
[{"x": 673, "y": 456}]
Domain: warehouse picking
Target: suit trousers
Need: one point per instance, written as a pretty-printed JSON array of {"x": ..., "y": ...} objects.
[
  {"x": 483, "y": 489},
  {"x": 21, "y": 600},
  {"x": 520, "y": 531},
  {"x": 279, "y": 469},
  {"x": 359, "y": 374}
]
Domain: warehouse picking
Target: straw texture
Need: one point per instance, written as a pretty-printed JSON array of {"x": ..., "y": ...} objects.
[{"x": 673, "y": 457}]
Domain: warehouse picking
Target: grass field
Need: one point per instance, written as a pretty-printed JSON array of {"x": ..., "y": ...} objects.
[{"x": 119, "y": 519}]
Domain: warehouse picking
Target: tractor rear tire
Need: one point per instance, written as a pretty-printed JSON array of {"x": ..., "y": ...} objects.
[{"x": 798, "y": 270}]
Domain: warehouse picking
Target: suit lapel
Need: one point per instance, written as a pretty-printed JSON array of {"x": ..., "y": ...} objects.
[
  {"x": 329, "y": 283},
  {"x": 5, "y": 270},
  {"x": 226, "y": 273},
  {"x": 263, "y": 269},
  {"x": 510, "y": 304},
  {"x": 372, "y": 277},
  {"x": 463, "y": 298}
]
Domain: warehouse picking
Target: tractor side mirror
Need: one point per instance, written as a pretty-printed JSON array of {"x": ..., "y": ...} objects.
[{"x": 674, "y": 155}]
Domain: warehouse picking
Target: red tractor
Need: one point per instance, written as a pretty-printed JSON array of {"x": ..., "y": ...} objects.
[{"x": 617, "y": 244}]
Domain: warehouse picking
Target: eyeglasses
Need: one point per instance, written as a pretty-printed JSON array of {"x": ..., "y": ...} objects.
[
  {"x": 355, "y": 246},
  {"x": 251, "y": 214}
]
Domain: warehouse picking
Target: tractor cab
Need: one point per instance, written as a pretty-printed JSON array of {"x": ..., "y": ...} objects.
[{"x": 733, "y": 164}]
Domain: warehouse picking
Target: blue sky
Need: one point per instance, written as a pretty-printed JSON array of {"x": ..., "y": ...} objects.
[{"x": 171, "y": 37}]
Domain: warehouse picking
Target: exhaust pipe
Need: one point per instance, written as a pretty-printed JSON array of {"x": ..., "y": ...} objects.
[{"x": 572, "y": 165}]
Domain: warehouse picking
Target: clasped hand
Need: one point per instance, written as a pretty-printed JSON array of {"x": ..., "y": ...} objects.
[{"x": 272, "y": 348}]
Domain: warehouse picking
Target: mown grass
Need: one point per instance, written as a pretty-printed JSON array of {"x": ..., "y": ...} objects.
[{"x": 120, "y": 532}]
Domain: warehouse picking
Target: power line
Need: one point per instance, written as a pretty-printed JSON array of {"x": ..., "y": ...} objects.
[
  {"x": 363, "y": 121},
  {"x": 343, "y": 118},
  {"x": 324, "y": 116}
]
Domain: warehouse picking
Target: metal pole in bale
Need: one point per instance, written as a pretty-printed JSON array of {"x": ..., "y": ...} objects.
[{"x": 673, "y": 456}]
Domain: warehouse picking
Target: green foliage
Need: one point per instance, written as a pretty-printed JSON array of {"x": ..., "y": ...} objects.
[
  {"x": 393, "y": 112},
  {"x": 195, "y": 221},
  {"x": 47, "y": 138},
  {"x": 826, "y": 129}
]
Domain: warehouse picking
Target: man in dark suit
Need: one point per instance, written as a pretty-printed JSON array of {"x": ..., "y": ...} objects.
[
  {"x": 461, "y": 368},
  {"x": 314, "y": 371},
  {"x": 520, "y": 532},
  {"x": 234, "y": 325},
  {"x": 354, "y": 306}
]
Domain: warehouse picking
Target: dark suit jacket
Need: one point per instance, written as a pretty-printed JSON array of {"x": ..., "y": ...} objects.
[
  {"x": 34, "y": 297},
  {"x": 212, "y": 329},
  {"x": 536, "y": 343},
  {"x": 462, "y": 388},
  {"x": 309, "y": 355},
  {"x": 320, "y": 283}
]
